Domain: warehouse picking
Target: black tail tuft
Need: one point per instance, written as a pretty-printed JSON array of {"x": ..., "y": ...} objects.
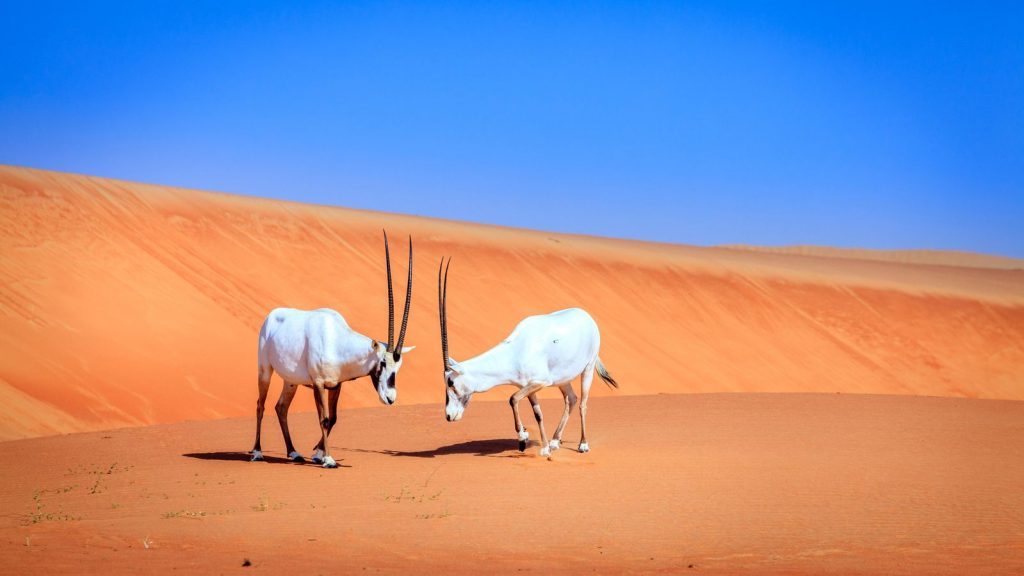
[{"x": 603, "y": 373}]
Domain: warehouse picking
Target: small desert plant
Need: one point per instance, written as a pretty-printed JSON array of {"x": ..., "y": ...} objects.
[
  {"x": 184, "y": 514},
  {"x": 443, "y": 514},
  {"x": 38, "y": 515},
  {"x": 265, "y": 504},
  {"x": 96, "y": 487}
]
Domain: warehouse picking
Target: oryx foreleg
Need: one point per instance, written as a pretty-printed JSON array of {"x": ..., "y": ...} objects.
[
  {"x": 333, "y": 394},
  {"x": 545, "y": 449},
  {"x": 322, "y": 412},
  {"x": 514, "y": 402},
  {"x": 283, "y": 403},
  {"x": 570, "y": 402}
]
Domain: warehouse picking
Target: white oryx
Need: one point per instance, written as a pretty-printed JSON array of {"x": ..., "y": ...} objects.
[
  {"x": 542, "y": 351},
  {"x": 318, "y": 349}
]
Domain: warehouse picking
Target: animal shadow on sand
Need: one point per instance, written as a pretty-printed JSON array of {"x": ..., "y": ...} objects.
[
  {"x": 495, "y": 448},
  {"x": 246, "y": 456}
]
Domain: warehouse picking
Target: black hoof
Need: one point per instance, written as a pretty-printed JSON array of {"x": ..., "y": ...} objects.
[{"x": 522, "y": 445}]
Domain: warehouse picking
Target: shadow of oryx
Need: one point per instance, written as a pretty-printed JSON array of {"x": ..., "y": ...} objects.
[
  {"x": 245, "y": 457},
  {"x": 496, "y": 447}
]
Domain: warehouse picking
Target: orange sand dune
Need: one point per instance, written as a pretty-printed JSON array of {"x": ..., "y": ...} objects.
[
  {"x": 128, "y": 304},
  {"x": 701, "y": 484},
  {"x": 936, "y": 257}
]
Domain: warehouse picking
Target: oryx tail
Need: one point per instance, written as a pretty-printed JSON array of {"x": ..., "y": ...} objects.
[{"x": 603, "y": 373}]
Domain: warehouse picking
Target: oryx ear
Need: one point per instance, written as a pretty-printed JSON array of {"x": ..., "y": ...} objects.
[
  {"x": 379, "y": 347},
  {"x": 406, "y": 349},
  {"x": 456, "y": 367}
]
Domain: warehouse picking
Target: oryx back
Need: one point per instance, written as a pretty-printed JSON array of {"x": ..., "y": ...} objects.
[
  {"x": 305, "y": 345},
  {"x": 556, "y": 347}
]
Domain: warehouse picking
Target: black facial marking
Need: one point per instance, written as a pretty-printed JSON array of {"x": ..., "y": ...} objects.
[
  {"x": 391, "y": 380},
  {"x": 376, "y": 372},
  {"x": 396, "y": 355}
]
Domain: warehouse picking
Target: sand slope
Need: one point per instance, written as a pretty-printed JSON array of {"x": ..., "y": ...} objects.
[
  {"x": 726, "y": 483},
  {"x": 127, "y": 304},
  {"x": 931, "y": 257}
]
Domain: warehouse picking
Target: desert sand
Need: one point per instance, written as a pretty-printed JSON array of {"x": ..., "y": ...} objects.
[
  {"x": 126, "y": 304},
  {"x": 797, "y": 410},
  {"x": 725, "y": 483}
]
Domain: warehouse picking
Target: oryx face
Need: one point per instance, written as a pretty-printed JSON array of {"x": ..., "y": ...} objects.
[
  {"x": 457, "y": 388},
  {"x": 390, "y": 362},
  {"x": 390, "y": 355},
  {"x": 386, "y": 373},
  {"x": 456, "y": 396}
]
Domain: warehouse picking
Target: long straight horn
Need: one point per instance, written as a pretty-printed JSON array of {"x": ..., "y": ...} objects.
[
  {"x": 441, "y": 294},
  {"x": 391, "y": 296},
  {"x": 408, "y": 301},
  {"x": 443, "y": 304}
]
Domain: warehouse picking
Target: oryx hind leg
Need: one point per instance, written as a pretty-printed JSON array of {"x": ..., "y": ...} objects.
[
  {"x": 265, "y": 372},
  {"x": 570, "y": 402},
  {"x": 586, "y": 380},
  {"x": 283, "y": 404}
]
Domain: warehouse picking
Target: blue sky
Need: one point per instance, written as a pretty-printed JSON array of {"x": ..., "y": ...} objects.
[{"x": 881, "y": 125}]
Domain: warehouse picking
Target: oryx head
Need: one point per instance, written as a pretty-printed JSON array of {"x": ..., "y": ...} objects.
[
  {"x": 457, "y": 393},
  {"x": 390, "y": 356}
]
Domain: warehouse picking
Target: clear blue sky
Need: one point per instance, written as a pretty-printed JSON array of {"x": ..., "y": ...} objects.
[{"x": 882, "y": 125}]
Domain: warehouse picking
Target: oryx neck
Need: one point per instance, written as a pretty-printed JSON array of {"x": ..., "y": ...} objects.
[
  {"x": 490, "y": 369},
  {"x": 369, "y": 359}
]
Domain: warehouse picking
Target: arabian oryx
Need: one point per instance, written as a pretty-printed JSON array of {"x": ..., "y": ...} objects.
[
  {"x": 542, "y": 351},
  {"x": 318, "y": 349}
]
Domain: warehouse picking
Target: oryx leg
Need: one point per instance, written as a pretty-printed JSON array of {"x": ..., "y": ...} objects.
[
  {"x": 545, "y": 449},
  {"x": 265, "y": 372},
  {"x": 514, "y": 402},
  {"x": 318, "y": 451},
  {"x": 570, "y": 402},
  {"x": 283, "y": 404},
  {"x": 332, "y": 398},
  {"x": 586, "y": 381},
  {"x": 325, "y": 420}
]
